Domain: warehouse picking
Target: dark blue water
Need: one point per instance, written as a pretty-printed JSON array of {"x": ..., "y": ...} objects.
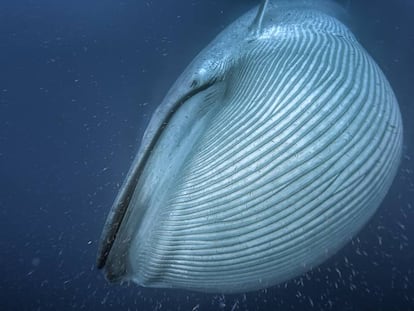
[{"x": 78, "y": 82}]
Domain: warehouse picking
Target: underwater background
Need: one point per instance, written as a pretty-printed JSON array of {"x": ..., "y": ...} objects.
[{"x": 78, "y": 83}]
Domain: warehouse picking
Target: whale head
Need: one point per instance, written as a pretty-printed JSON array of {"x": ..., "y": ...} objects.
[{"x": 271, "y": 151}]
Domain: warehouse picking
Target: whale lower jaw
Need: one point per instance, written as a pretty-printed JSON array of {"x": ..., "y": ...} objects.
[{"x": 298, "y": 156}]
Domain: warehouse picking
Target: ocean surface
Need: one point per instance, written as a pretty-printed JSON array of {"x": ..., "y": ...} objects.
[{"x": 78, "y": 83}]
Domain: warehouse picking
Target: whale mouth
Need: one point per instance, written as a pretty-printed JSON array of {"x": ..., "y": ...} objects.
[
  {"x": 254, "y": 178},
  {"x": 122, "y": 202},
  {"x": 176, "y": 106}
]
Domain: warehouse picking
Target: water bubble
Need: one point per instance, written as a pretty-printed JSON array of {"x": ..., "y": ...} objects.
[{"x": 35, "y": 261}]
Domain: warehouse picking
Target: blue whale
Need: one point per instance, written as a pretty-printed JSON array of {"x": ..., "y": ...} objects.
[{"x": 273, "y": 148}]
